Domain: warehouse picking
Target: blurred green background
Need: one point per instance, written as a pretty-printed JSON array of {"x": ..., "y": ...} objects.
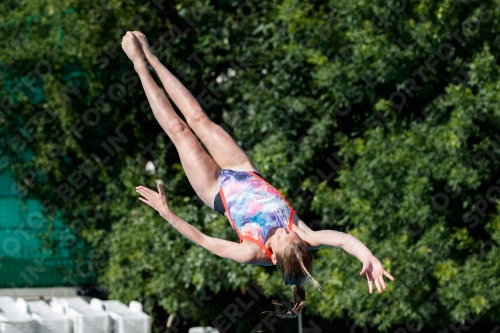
[{"x": 376, "y": 118}]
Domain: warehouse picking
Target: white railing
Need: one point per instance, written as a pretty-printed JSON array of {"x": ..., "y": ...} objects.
[{"x": 72, "y": 315}]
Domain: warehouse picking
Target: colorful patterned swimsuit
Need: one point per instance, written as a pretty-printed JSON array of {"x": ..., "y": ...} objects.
[{"x": 253, "y": 206}]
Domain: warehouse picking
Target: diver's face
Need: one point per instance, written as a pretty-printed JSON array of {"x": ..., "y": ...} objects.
[{"x": 282, "y": 237}]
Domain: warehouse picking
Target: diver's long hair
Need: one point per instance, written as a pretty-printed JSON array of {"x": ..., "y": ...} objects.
[{"x": 295, "y": 265}]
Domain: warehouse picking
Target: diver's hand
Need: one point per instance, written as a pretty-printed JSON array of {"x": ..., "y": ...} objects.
[
  {"x": 154, "y": 199},
  {"x": 374, "y": 271}
]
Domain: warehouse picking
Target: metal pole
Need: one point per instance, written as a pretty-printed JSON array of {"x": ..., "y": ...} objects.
[{"x": 300, "y": 322}]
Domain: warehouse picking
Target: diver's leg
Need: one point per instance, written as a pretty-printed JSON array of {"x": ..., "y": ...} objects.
[
  {"x": 201, "y": 170},
  {"x": 224, "y": 150}
]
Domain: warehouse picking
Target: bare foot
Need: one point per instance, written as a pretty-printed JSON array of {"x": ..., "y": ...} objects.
[
  {"x": 143, "y": 44},
  {"x": 131, "y": 49}
]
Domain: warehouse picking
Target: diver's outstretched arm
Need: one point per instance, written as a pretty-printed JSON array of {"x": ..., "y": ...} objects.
[
  {"x": 372, "y": 267},
  {"x": 219, "y": 247},
  {"x": 347, "y": 242}
]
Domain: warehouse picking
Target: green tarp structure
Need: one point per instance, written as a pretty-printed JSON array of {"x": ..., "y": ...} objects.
[{"x": 24, "y": 260}]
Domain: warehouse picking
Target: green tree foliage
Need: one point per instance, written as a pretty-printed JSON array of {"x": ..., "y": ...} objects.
[{"x": 375, "y": 118}]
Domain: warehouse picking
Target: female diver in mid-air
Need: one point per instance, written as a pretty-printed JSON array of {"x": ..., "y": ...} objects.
[{"x": 270, "y": 231}]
